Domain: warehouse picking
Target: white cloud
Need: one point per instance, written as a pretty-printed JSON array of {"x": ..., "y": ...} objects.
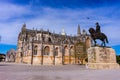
[
  {"x": 9, "y": 11},
  {"x": 9, "y": 32},
  {"x": 56, "y": 19}
]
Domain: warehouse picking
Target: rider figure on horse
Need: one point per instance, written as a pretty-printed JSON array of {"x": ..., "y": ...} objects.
[
  {"x": 98, "y": 28},
  {"x": 97, "y": 34}
]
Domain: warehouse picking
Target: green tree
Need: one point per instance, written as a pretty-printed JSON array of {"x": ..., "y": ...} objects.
[{"x": 118, "y": 59}]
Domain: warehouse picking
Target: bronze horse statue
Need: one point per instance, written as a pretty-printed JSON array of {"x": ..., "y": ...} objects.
[{"x": 98, "y": 35}]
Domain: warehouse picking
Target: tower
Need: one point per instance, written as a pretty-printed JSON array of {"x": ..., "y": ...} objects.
[
  {"x": 79, "y": 31},
  {"x": 63, "y": 32},
  {"x": 23, "y": 28}
]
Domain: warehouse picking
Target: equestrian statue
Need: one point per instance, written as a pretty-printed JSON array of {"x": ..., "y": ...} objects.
[{"x": 97, "y": 34}]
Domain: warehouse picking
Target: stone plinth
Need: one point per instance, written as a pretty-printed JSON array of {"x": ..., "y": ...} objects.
[{"x": 101, "y": 58}]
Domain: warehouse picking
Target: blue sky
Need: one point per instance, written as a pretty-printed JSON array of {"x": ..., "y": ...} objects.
[
  {"x": 57, "y": 14},
  {"x": 6, "y": 47}
]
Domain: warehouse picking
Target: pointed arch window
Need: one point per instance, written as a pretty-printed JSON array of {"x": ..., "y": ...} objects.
[
  {"x": 66, "y": 50},
  {"x": 47, "y": 50},
  {"x": 35, "y": 50}
]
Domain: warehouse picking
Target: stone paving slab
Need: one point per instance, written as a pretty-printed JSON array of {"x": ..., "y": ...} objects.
[{"x": 12, "y": 71}]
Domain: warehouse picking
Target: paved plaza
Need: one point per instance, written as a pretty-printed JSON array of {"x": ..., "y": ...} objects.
[{"x": 12, "y": 71}]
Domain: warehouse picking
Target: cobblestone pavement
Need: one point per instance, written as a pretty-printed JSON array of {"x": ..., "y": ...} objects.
[{"x": 12, "y": 71}]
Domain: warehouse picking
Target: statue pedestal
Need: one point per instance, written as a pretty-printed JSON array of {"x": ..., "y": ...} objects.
[{"x": 101, "y": 58}]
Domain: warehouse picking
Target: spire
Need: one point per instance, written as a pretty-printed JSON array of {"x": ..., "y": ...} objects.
[
  {"x": 63, "y": 32},
  {"x": 36, "y": 31},
  {"x": 24, "y": 25},
  {"x": 78, "y": 31},
  {"x": 23, "y": 28}
]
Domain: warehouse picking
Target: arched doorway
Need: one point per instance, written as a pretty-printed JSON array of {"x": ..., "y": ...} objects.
[
  {"x": 66, "y": 55},
  {"x": 71, "y": 54}
]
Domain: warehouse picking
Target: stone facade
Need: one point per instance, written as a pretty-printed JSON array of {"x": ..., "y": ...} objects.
[
  {"x": 101, "y": 58},
  {"x": 46, "y": 48},
  {"x": 10, "y": 55}
]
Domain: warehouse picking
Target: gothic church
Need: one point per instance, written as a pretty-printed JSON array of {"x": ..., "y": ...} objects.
[{"x": 47, "y": 48}]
